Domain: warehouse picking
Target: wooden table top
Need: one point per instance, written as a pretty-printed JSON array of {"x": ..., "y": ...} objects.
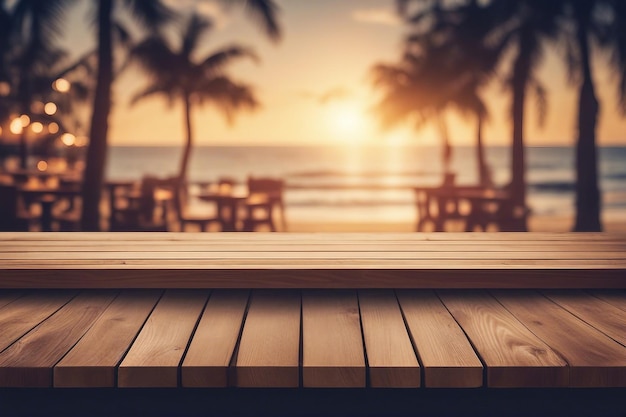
[{"x": 291, "y": 260}]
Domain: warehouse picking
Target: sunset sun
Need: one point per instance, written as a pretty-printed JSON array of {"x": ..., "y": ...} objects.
[{"x": 347, "y": 122}]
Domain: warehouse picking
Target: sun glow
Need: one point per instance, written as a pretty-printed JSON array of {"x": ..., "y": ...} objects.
[{"x": 347, "y": 122}]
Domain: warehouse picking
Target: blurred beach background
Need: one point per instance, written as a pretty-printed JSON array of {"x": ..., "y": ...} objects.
[
  {"x": 352, "y": 104},
  {"x": 327, "y": 185}
]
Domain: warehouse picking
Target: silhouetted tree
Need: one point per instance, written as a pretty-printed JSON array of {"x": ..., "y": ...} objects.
[
  {"x": 151, "y": 14},
  {"x": 600, "y": 23},
  {"x": 519, "y": 26},
  {"x": 32, "y": 62},
  {"x": 178, "y": 75},
  {"x": 445, "y": 65}
]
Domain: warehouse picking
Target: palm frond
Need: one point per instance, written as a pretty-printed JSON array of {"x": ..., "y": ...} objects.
[
  {"x": 196, "y": 27},
  {"x": 151, "y": 14},
  {"x": 216, "y": 61},
  {"x": 150, "y": 91},
  {"x": 227, "y": 95},
  {"x": 44, "y": 19},
  {"x": 264, "y": 12},
  {"x": 156, "y": 57}
]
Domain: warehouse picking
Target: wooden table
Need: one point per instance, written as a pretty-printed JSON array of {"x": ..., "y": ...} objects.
[
  {"x": 528, "y": 317},
  {"x": 228, "y": 199},
  {"x": 47, "y": 197},
  {"x": 438, "y": 205}
]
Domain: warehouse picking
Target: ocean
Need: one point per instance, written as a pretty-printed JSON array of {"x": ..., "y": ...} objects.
[{"x": 312, "y": 171}]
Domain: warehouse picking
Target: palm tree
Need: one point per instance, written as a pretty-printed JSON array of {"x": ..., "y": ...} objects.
[
  {"x": 521, "y": 26},
  {"x": 151, "y": 14},
  {"x": 441, "y": 69},
  {"x": 601, "y": 23},
  {"x": 177, "y": 75},
  {"x": 31, "y": 63}
]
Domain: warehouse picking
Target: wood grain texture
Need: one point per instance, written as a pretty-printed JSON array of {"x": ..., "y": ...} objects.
[
  {"x": 514, "y": 356},
  {"x": 295, "y": 237},
  {"x": 160, "y": 246},
  {"x": 605, "y": 317},
  {"x": 390, "y": 356},
  {"x": 209, "y": 355},
  {"x": 23, "y": 314},
  {"x": 94, "y": 359},
  {"x": 448, "y": 359},
  {"x": 303, "y": 256},
  {"x": 154, "y": 357},
  {"x": 613, "y": 297},
  {"x": 269, "y": 350},
  {"x": 29, "y": 361},
  {"x": 332, "y": 341},
  {"x": 594, "y": 359}
]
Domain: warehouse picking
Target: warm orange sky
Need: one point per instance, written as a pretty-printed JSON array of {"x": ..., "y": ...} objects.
[{"x": 314, "y": 85}]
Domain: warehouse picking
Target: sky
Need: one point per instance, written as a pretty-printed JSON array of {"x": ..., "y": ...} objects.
[{"x": 315, "y": 86}]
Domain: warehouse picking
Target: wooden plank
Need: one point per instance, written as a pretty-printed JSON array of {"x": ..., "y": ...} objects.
[
  {"x": 323, "y": 275},
  {"x": 332, "y": 341},
  {"x": 594, "y": 359},
  {"x": 154, "y": 357},
  {"x": 267, "y": 262},
  {"x": 605, "y": 317},
  {"x": 23, "y": 314},
  {"x": 615, "y": 298},
  {"x": 7, "y": 297},
  {"x": 269, "y": 350},
  {"x": 295, "y": 237},
  {"x": 29, "y": 361},
  {"x": 448, "y": 359},
  {"x": 280, "y": 246},
  {"x": 391, "y": 359},
  {"x": 94, "y": 359},
  {"x": 304, "y": 255},
  {"x": 514, "y": 356},
  {"x": 211, "y": 350}
]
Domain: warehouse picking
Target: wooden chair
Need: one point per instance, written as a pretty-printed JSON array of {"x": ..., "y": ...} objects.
[
  {"x": 135, "y": 210},
  {"x": 265, "y": 193},
  {"x": 68, "y": 217},
  {"x": 184, "y": 211},
  {"x": 13, "y": 216}
]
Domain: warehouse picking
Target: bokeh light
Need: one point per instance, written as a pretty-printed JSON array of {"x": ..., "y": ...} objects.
[
  {"x": 42, "y": 165},
  {"x": 24, "y": 120},
  {"x": 53, "y": 128},
  {"x": 37, "y": 127},
  {"x": 68, "y": 139},
  {"x": 16, "y": 126},
  {"x": 50, "y": 108},
  {"x": 61, "y": 85}
]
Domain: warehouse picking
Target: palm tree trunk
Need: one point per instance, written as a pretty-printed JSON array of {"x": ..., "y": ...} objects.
[
  {"x": 96, "y": 152},
  {"x": 23, "y": 149},
  {"x": 446, "y": 152},
  {"x": 521, "y": 74},
  {"x": 184, "y": 162},
  {"x": 587, "y": 191},
  {"x": 483, "y": 172}
]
